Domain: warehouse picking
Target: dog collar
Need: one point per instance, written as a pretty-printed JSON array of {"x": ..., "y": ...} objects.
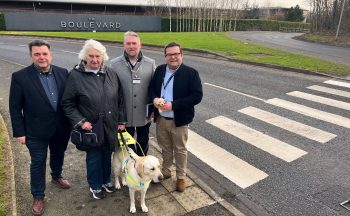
[{"x": 138, "y": 184}]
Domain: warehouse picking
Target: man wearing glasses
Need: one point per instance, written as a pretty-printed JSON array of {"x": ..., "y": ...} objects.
[{"x": 175, "y": 89}]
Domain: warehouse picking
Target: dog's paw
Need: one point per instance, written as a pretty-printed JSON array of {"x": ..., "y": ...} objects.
[
  {"x": 144, "y": 208},
  {"x": 124, "y": 182},
  {"x": 117, "y": 185},
  {"x": 133, "y": 209}
]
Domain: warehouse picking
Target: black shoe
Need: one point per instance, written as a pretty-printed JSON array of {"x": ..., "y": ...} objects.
[
  {"x": 97, "y": 194},
  {"x": 109, "y": 187}
]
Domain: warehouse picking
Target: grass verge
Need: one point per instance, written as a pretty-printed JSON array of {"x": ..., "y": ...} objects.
[
  {"x": 4, "y": 194},
  {"x": 342, "y": 40},
  {"x": 219, "y": 42}
]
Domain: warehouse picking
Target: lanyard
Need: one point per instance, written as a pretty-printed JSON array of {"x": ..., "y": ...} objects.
[{"x": 167, "y": 82}]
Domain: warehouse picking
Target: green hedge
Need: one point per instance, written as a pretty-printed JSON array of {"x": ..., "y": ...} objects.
[
  {"x": 2, "y": 22},
  {"x": 241, "y": 25}
]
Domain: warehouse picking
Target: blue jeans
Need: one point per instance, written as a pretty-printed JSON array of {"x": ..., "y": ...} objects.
[
  {"x": 98, "y": 167},
  {"x": 38, "y": 154}
]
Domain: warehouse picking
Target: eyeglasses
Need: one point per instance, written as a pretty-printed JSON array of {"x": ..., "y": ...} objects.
[{"x": 172, "y": 54}]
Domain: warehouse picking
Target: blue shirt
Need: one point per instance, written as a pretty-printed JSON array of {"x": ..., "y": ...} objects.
[
  {"x": 48, "y": 81},
  {"x": 167, "y": 90}
]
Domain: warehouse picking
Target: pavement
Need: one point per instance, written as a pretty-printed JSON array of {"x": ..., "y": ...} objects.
[{"x": 161, "y": 198}]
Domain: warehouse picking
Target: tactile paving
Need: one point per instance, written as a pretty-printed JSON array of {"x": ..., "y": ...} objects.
[{"x": 193, "y": 198}]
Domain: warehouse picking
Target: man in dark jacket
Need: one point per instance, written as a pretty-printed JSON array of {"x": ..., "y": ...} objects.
[
  {"x": 175, "y": 89},
  {"x": 38, "y": 120}
]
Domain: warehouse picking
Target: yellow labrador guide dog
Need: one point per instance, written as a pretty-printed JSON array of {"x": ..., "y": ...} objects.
[{"x": 136, "y": 172}]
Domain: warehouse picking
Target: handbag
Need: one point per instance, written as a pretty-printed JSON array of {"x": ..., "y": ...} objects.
[{"x": 87, "y": 139}]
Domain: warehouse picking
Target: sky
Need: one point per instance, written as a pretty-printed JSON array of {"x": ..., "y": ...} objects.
[
  {"x": 282, "y": 3},
  {"x": 261, "y": 3}
]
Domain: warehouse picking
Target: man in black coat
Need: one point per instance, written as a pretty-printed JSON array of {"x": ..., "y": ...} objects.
[
  {"x": 175, "y": 89},
  {"x": 38, "y": 120}
]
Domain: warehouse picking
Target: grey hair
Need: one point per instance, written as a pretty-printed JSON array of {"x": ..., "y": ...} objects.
[
  {"x": 131, "y": 33},
  {"x": 95, "y": 45}
]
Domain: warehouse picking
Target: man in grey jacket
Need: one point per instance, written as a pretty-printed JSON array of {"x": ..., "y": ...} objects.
[{"x": 135, "y": 72}]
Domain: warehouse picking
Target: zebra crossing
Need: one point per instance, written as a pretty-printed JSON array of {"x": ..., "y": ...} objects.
[
  {"x": 289, "y": 125},
  {"x": 244, "y": 174}
]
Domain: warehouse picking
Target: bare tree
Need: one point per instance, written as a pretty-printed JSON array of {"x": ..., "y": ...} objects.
[
  {"x": 326, "y": 14},
  {"x": 157, "y": 6},
  {"x": 169, "y": 9}
]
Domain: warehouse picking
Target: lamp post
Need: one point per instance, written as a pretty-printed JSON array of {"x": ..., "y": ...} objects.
[{"x": 341, "y": 15}]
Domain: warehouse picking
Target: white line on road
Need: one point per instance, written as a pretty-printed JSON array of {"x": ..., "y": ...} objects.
[
  {"x": 314, "y": 113},
  {"x": 308, "y": 111},
  {"x": 321, "y": 100},
  {"x": 289, "y": 125},
  {"x": 262, "y": 141},
  {"x": 236, "y": 170},
  {"x": 338, "y": 83},
  {"x": 237, "y": 92},
  {"x": 330, "y": 91},
  {"x": 12, "y": 62},
  {"x": 69, "y": 52}
]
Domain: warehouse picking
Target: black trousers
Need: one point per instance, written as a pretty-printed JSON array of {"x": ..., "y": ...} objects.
[{"x": 142, "y": 134}]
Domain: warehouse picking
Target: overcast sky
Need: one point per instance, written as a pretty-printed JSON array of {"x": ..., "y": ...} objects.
[
  {"x": 261, "y": 3},
  {"x": 282, "y": 3}
]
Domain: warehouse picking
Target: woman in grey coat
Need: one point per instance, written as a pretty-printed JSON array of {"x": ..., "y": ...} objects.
[{"x": 93, "y": 92}]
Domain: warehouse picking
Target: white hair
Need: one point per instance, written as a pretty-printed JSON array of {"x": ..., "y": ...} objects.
[
  {"x": 131, "y": 33},
  {"x": 95, "y": 45}
]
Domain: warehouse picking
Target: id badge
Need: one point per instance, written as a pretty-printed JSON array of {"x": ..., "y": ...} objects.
[{"x": 136, "y": 81}]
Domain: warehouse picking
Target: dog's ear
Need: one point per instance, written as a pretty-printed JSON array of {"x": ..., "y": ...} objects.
[{"x": 139, "y": 168}]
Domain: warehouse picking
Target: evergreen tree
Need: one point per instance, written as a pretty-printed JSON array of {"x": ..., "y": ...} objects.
[{"x": 295, "y": 14}]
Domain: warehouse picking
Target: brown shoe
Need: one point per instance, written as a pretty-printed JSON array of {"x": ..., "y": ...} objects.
[
  {"x": 61, "y": 182},
  {"x": 180, "y": 185},
  {"x": 38, "y": 207}
]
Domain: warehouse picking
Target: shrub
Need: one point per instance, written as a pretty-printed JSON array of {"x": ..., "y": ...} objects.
[{"x": 2, "y": 22}]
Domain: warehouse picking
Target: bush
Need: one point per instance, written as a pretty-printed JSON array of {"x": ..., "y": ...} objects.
[{"x": 2, "y": 22}]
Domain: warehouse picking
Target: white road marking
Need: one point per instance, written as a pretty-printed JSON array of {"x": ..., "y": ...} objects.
[
  {"x": 308, "y": 111},
  {"x": 321, "y": 100},
  {"x": 289, "y": 125},
  {"x": 236, "y": 170},
  {"x": 262, "y": 141},
  {"x": 237, "y": 92},
  {"x": 330, "y": 91},
  {"x": 338, "y": 83},
  {"x": 12, "y": 62},
  {"x": 66, "y": 51}
]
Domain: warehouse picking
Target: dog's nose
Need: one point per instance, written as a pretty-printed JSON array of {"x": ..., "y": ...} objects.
[{"x": 160, "y": 178}]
